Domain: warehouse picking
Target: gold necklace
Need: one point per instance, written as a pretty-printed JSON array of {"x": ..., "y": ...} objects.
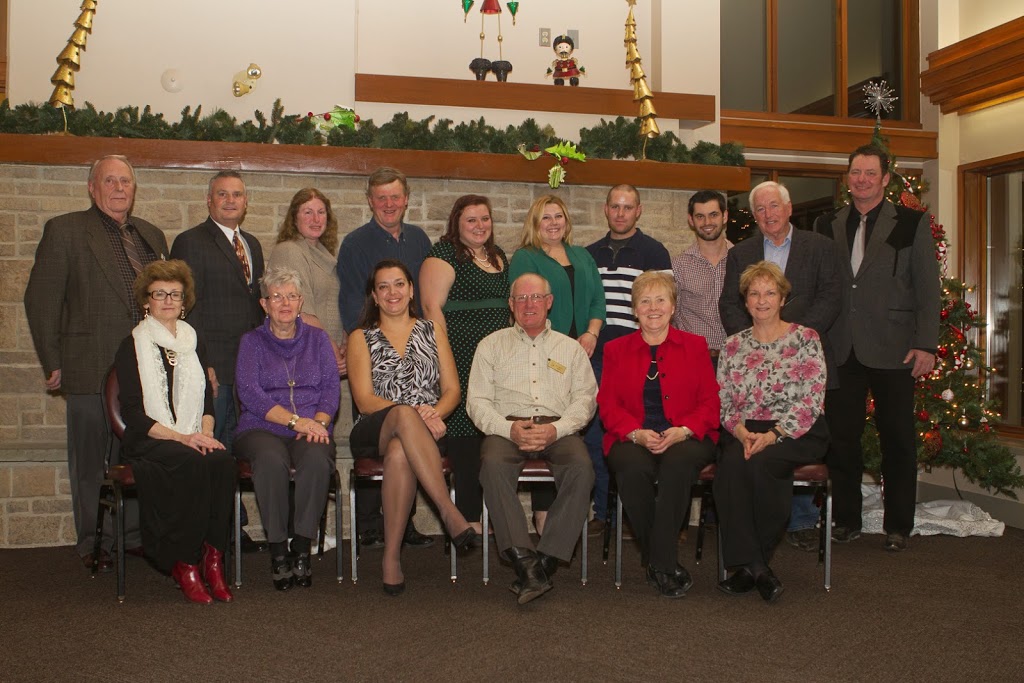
[{"x": 655, "y": 375}]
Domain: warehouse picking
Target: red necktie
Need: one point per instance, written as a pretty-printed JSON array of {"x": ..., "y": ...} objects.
[{"x": 240, "y": 252}]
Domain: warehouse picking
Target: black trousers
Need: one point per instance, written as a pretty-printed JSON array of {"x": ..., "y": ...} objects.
[
  {"x": 753, "y": 497},
  {"x": 464, "y": 454},
  {"x": 185, "y": 500},
  {"x": 656, "y": 492},
  {"x": 845, "y": 407}
]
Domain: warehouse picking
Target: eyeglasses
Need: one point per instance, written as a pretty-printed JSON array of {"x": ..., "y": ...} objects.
[
  {"x": 523, "y": 298},
  {"x": 160, "y": 295},
  {"x": 279, "y": 298}
]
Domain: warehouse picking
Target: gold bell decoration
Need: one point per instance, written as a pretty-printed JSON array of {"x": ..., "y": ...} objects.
[
  {"x": 641, "y": 91},
  {"x": 69, "y": 60},
  {"x": 244, "y": 81}
]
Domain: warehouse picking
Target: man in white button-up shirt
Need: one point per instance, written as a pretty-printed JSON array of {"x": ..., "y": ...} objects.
[{"x": 531, "y": 391}]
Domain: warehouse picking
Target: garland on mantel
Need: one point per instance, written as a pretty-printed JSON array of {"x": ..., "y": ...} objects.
[{"x": 618, "y": 139}]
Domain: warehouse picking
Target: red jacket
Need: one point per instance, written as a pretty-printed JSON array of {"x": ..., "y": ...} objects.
[{"x": 688, "y": 385}]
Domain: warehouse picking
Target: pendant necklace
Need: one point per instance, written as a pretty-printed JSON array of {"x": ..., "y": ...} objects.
[
  {"x": 172, "y": 356},
  {"x": 654, "y": 366},
  {"x": 291, "y": 387}
]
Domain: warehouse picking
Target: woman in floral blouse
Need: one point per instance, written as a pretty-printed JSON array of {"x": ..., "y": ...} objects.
[{"x": 772, "y": 380}]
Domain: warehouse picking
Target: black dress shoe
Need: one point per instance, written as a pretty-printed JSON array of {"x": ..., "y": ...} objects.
[
  {"x": 741, "y": 582},
  {"x": 665, "y": 582},
  {"x": 683, "y": 577},
  {"x": 532, "y": 581},
  {"x": 548, "y": 563},
  {"x": 769, "y": 586},
  {"x": 371, "y": 540},
  {"x": 465, "y": 539},
  {"x": 302, "y": 570},
  {"x": 251, "y": 546},
  {"x": 415, "y": 539},
  {"x": 895, "y": 542},
  {"x": 281, "y": 573},
  {"x": 394, "y": 589},
  {"x": 843, "y": 534}
]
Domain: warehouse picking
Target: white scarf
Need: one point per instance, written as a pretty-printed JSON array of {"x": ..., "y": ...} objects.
[{"x": 189, "y": 378}]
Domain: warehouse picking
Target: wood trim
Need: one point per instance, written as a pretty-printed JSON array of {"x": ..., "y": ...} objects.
[
  {"x": 841, "y": 78},
  {"x": 3, "y": 48},
  {"x": 178, "y": 154},
  {"x": 978, "y": 72},
  {"x": 823, "y": 134},
  {"x": 911, "y": 60},
  {"x": 772, "y": 54},
  {"x": 468, "y": 93}
]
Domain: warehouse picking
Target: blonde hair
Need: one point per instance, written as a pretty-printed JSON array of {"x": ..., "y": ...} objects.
[
  {"x": 650, "y": 279},
  {"x": 531, "y": 226}
]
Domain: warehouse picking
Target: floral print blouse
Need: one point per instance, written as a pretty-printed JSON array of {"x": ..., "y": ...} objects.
[{"x": 783, "y": 380}]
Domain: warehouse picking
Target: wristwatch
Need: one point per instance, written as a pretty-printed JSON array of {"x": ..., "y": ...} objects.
[
  {"x": 291, "y": 422},
  {"x": 779, "y": 434}
]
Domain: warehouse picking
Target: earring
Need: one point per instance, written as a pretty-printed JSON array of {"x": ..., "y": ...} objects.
[
  {"x": 183, "y": 313},
  {"x": 145, "y": 312}
]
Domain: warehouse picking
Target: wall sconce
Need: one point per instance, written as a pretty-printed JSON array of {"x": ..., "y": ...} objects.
[{"x": 244, "y": 81}]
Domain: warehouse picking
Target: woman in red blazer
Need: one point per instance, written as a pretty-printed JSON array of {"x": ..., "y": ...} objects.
[{"x": 660, "y": 408}]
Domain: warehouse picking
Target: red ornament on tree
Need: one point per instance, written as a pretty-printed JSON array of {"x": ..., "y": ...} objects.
[
  {"x": 944, "y": 314},
  {"x": 923, "y": 415}
]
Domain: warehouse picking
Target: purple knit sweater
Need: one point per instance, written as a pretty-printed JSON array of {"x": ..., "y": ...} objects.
[{"x": 262, "y": 370}]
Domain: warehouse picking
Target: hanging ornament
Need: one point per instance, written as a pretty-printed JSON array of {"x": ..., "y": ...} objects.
[
  {"x": 513, "y": 9},
  {"x": 923, "y": 415},
  {"x": 969, "y": 364},
  {"x": 481, "y": 66},
  {"x": 947, "y": 394},
  {"x": 466, "y": 6},
  {"x": 943, "y": 314},
  {"x": 963, "y": 421},
  {"x": 878, "y": 98}
]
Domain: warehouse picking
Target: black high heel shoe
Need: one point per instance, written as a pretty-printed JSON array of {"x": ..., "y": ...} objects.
[
  {"x": 394, "y": 589},
  {"x": 463, "y": 540}
]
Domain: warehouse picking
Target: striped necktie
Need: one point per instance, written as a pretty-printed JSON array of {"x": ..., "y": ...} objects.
[
  {"x": 240, "y": 253},
  {"x": 130, "y": 250}
]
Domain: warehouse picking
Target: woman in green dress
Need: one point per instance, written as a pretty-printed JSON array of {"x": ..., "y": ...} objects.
[{"x": 464, "y": 289}]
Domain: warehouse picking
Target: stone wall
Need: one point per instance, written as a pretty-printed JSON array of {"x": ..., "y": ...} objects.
[{"x": 34, "y": 494}]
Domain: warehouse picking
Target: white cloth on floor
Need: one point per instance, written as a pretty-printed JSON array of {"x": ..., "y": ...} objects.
[{"x": 951, "y": 517}]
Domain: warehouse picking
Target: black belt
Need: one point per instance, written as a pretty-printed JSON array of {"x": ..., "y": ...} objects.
[{"x": 536, "y": 419}]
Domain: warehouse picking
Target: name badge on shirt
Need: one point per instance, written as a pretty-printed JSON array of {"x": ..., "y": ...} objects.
[{"x": 556, "y": 366}]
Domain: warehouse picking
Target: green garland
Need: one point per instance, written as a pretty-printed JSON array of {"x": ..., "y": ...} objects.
[{"x": 618, "y": 139}]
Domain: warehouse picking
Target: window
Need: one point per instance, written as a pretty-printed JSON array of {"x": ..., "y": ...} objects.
[
  {"x": 812, "y": 192},
  {"x": 813, "y": 57}
]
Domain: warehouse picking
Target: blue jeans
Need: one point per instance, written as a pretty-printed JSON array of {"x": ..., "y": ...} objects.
[{"x": 804, "y": 513}]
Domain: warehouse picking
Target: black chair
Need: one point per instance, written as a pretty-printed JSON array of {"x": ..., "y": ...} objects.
[
  {"x": 369, "y": 469},
  {"x": 534, "y": 470},
  {"x": 333, "y": 490},
  {"x": 118, "y": 480}
]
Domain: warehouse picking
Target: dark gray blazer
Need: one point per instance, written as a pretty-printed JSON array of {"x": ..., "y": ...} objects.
[
  {"x": 813, "y": 272},
  {"x": 77, "y": 307},
  {"x": 892, "y": 305},
  {"x": 226, "y": 305}
]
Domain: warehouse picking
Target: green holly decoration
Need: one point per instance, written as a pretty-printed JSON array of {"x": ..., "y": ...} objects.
[{"x": 562, "y": 152}]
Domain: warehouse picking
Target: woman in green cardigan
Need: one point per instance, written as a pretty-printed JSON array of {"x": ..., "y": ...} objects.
[{"x": 579, "y": 306}]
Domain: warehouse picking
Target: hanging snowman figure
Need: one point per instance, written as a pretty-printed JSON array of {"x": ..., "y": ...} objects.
[{"x": 566, "y": 66}]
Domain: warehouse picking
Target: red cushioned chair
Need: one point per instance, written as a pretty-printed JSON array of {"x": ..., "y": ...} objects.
[
  {"x": 534, "y": 471},
  {"x": 372, "y": 469},
  {"x": 117, "y": 481}
]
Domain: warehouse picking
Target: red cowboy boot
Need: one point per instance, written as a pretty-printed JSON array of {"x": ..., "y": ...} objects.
[{"x": 213, "y": 572}]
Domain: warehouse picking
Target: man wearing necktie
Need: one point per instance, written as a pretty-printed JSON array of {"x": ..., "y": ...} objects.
[
  {"x": 885, "y": 338},
  {"x": 227, "y": 264},
  {"x": 80, "y": 305}
]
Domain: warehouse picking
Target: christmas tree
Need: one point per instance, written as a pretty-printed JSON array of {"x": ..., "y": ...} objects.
[{"x": 955, "y": 418}]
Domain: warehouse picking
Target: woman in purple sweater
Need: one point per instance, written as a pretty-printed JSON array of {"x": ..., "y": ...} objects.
[{"x": 288, "y": 388}]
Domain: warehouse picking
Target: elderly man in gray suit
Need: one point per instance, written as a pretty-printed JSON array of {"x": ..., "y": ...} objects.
[
  {"x": 80, "y": 305},
  {"x": 885, "y": 338},
  {"x": 810, "y": 263}
]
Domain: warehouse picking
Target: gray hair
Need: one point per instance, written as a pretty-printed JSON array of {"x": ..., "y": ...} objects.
[
  {"x": 279, "y": 276},
  {"x": 119, "y": 157},
  {"x": 223, "y": 174},
  {"x": 547, "y": 285},
  {"x": 769, "y": 184}
]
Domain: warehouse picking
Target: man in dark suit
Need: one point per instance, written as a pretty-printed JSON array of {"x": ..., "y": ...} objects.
[
  {"x": 810, "y": 263},
  {"x": 80, "y": 306},
  {"x": 885, "y": 338},
  {"x": 227, "y": 264}
]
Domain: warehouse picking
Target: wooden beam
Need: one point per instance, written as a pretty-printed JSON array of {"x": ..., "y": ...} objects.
[
  {"x": 978, "y": 72},
  {"x": 450, "y": 92},
  {"x": 827, "y": 134},
  {"x": 67, "y": 150}
]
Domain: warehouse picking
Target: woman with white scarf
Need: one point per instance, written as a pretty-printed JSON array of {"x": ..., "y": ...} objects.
[{"x": 185, "y": 478}]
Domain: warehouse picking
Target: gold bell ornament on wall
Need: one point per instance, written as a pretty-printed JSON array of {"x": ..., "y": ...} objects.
[
  {"x": 69, "y": 60},
  {"x": 245, "y": 81}
]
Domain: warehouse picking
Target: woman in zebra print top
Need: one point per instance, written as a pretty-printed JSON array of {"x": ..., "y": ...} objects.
[{"x": 403, "y": 397}]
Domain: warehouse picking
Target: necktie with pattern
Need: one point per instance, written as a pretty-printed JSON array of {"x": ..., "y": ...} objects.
[{"x": 240, "y": 252}]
